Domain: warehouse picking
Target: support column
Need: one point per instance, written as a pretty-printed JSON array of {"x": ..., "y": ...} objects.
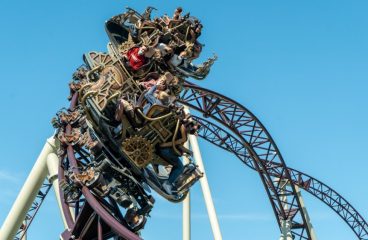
[
  {"x": 24, "y": 233},
  {"x": 206, "y": 189},
  {"x": 286, "y": 224},
  {"x": 186, "y": 206},
  {"x": 52, "y": 166},
  {"x": 307, "y": 218},
  {"x": 286, "y": 230},
  {"x": 27, "y": 194}
]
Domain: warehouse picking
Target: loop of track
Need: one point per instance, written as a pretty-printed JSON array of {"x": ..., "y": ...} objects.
[{"x": 252, "y": 143}]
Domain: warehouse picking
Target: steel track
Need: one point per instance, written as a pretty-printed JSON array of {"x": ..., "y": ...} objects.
[
  {"x": 252, "y": 144},
  {"x": 32, "y": 212},
  {"x": 95, "y": 213},
  {"x": 225, "y": 140},
  {"x": 266, "y": 157}
]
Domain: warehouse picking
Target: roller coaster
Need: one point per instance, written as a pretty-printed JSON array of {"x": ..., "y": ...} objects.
[{"x": 114, "y": 144}]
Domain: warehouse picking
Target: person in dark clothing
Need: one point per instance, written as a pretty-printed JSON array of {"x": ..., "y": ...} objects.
[
  {"x": 167, "y": 153},
  {"x": 177, "y": 13}
]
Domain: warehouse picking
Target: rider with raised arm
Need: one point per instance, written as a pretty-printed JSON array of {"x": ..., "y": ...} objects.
[{"x": 156, "y": 96}]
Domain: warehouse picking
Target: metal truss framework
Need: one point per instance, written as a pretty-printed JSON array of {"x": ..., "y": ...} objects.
[
  {"x": 225, "y": 140},
  {"x": 42, "y": 193},
  {"x": 249, "y": 141},
  {"x": 261, "y": 148},
  {"x": 96, "y": 218}
]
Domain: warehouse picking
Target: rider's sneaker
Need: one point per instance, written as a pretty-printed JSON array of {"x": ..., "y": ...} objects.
[
  {"x": 140, "y": 223},
  {"x": 135, "y": 221},
  {"x": 168, "y": 187}
]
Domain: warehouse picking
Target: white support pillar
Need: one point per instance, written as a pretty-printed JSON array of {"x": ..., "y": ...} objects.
[
  {"x": 307, "y": 218},
  {"x": 27, "y": 194},
  {"x": 186, "y": 206},
  {"x": 286, "y": 224},
  {"x": 24, "y": 237},
  {"x": 186, "y": 218},
  {"x": 53, "y": 166},
  {"x": 206, "y": 189},
  {"x": 23, "y": 232},
  {"x": 286, "y": 230}
]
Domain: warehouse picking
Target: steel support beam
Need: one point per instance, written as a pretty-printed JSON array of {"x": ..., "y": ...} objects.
[
  {"x": 229, "y": 142},
  {"x": 186, "y": 206},
  {"x": 52, "y": 167},
  {"x": 304, "y": 209},
  {"x": 27, "y": 194},
  {"x": 206, "y": 189}
]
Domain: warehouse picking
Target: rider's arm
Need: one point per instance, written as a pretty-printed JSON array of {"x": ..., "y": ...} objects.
[{"x": 150, "y": 95}]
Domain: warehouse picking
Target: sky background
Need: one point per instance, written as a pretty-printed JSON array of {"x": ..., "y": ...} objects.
[{"x": 299, "y": 66}]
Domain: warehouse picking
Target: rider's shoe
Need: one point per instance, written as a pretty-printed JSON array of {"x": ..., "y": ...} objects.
[
  {"x": 140, "y": 223},
  {"x": 168, "y": 187},
  {"x": 135, "y": 221}
]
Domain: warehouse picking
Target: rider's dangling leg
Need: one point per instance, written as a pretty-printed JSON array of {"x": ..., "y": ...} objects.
[
  {"x": 126, "y": 108},
  {"x": 169, "y": 155},
  {"x": 122, "y": 107}
]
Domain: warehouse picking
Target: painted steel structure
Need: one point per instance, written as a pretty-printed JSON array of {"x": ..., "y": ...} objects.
[
  {"x": 261, "y": 148},
  {"x": 25, "y": 202},
  {"x": 227, "y": 141},
  {"x": 206, "y": 189},
  {"x": 244, "y": 136}
]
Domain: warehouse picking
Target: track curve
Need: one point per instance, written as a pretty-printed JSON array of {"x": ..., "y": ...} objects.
[
  {"x": 250, "y": 141},
  {"x": 225, "y": 140},
  {"x": 261, "y": 148},
  {"x": 234, "y": 144},
  {"x": 93, "y": 209}
]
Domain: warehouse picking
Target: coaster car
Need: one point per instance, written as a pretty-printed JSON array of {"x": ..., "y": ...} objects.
[
  {"x": 124, "y": 164},
  {"x": 176, "y": 33},
  {"x": 134, "y": 142},
  {"x": 126, "y": 143}
]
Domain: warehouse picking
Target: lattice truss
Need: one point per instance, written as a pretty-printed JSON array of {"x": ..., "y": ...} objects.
[
  {"x": 227, "y": 141},
  {"x": 251, "y": 142},
  {"x": 36, "y": 205},
  {"x": 247, "y": 138}
]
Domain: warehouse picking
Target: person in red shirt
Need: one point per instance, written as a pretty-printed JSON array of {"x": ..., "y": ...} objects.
[{"x": 136, "y": 57}]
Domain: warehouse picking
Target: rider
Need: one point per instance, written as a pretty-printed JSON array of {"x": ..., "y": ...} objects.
[
  {"x": 136, "y": 57},
  {"x": 156, "y": 96},
  {"x": 170, "y": 156},
  {"x": 160, "y": 97},
  {"x": 123, "y": 106},
  {"x": 177, "y": 13}
]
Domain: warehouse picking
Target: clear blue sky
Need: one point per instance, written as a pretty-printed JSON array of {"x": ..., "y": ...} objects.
[{"x": 300, "y": 66}]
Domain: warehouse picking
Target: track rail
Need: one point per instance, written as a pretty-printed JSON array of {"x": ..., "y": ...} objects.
[
  {"x": 251, "y": 143},
  {"x": 32, "y": 212},
  {"x": 225, "y": 140},
  {"x": 266, "y": 157},
  {"x": 95, "y": 213}
]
